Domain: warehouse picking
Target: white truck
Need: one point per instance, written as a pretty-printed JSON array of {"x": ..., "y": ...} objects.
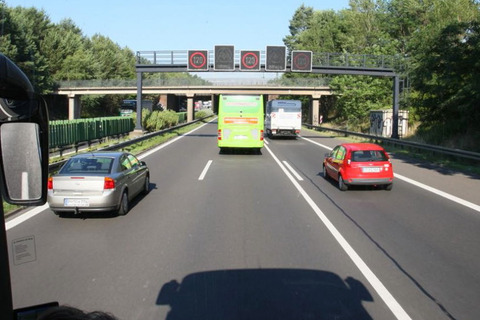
[{"x": 283, "y": 118}]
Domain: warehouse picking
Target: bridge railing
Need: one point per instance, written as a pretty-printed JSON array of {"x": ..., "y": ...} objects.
[{"x": 184, "y": 82}]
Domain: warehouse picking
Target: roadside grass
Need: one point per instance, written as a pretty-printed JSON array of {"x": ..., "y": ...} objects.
[
  {"x": 452, "y": 163},
  {"x": 136, "y": 149}
]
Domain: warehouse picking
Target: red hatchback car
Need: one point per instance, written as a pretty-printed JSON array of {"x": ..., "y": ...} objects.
[{"x": 359, "y": 164}]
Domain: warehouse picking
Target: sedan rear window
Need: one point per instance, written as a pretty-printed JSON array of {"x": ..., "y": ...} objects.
[
  {"x": 369, "y": 155},
  {"x": 88, "y": 165}
]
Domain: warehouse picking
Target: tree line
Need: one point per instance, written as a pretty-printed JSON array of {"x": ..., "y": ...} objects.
[
  {"x": 52, "y": 52},
  {"x": 439, "y": 41}
]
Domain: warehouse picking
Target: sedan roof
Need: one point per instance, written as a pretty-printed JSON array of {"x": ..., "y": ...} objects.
[
  {"x": 362, "y": 146},
  {"x": 100, "y": 154}
]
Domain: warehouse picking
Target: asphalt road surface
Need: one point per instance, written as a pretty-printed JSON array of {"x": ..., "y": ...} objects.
[{"x": 261, "y": 236}]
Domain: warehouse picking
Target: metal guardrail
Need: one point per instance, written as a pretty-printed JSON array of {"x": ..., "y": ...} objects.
[
  {"x": 57, "y": 165},
  {"x": 428, "y": 147}
]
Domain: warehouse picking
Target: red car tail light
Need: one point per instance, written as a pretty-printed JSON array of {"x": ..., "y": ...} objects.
[
  {"x": 50, "y": 183},
  {"x": 108, "y": 183}
]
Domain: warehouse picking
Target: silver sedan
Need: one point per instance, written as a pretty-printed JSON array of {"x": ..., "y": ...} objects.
[{"x": 98, "y": 181}]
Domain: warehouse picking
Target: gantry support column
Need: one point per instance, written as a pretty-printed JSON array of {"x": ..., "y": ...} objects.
[
  {"x": 74, "y": 106},
  {"x": 315, "y": 109},
  {"x": 190, "y": 110}
]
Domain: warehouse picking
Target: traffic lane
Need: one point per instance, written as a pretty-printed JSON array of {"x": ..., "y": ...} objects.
[
  {"x": 254, "y": 219},
  {"x": 80, "y": 260},
  {"x": 462, "y": 185},
  {"x": 399, "y": 225}
]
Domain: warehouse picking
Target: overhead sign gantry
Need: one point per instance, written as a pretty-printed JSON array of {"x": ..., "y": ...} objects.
[{"x": 224, "y": 58}]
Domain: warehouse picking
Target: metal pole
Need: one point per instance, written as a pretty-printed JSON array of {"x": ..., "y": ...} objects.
[
  {"x": 396, "y": 94},
  {"x": 138, "y": 125}
]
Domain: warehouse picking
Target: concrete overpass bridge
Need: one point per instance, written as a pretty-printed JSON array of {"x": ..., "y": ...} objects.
[{"x": 170, "y": 90}]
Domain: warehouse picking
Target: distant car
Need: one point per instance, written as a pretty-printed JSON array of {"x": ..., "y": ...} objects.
[
  {"x": 98, "y": 181},
  {"x": 359, "y": 164}
]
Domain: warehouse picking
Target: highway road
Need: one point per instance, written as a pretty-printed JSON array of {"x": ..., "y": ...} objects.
[{"x": 261, "y": 236}]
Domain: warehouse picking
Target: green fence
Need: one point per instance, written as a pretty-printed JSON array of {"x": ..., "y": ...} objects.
[{"x": 71, "y": 132}]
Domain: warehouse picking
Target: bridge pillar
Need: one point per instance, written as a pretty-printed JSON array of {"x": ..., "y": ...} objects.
[
  {"x": 315, "y": 109},
  {"x": 190, "y": 109},
  {"x": 74, "y": 106}
]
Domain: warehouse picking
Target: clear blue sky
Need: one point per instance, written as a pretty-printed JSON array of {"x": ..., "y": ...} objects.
[{"x": 145, "y": 25}]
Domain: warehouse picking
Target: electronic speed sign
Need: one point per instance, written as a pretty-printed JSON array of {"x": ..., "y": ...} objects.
[
  {"x": 224, "y": 58},
  {"x": 197, "y": 60},
  {"x": 276, "y": 58},
  {"x": 249, "y": 60},
  {"x": 301, "y": 61}
]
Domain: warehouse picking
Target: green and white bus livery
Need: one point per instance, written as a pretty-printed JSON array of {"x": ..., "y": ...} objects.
[{"x": 240, "y": 121}]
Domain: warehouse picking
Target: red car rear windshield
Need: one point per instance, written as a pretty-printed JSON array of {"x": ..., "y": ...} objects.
[{"x": 369, "y": 155}]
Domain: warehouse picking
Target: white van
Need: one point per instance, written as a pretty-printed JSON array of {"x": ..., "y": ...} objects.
[{"x": 283, "y": 118}]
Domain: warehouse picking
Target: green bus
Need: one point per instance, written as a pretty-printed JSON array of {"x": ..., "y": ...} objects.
[{"x": 240, "y": 121}]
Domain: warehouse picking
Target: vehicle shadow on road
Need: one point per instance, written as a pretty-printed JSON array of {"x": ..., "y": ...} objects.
[
  {"x": 108, "y": 214},
  {"x": 264, "y": 294}
]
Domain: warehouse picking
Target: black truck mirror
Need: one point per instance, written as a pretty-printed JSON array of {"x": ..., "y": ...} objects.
[{"x": 23, "y": 138}]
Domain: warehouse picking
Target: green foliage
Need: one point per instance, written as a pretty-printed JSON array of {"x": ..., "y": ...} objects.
[
  {"x": 158, "y": 120},
  {"x": 49, "y": 53},
  {"x": 203, "y": 113},
  {"x": 440, "y": 39}
]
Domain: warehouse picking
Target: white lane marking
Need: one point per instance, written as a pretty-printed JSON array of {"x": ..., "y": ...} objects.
[
  {"x": 438, "y": 192},
  {"x": 299, "y": 178},
  {"x": 448, "y": 196},
  {"x": 146, "y": 154},
  {"x": 33, "y": 212},
  {"x": 266, "y": 141},
  {"x": 318, "y": 144},
  {"x": 382, "y": 291},
  {"x": 204, "y": 172},
  {"x": 24, "y": 217}
]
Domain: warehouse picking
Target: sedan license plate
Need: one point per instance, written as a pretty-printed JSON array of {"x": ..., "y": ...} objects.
[
  {"x": 371, "y": 169},
  {"x": 76, "y": 202}
]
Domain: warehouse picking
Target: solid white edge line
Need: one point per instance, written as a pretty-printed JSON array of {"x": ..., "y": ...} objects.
[
  {"x": 299, "y": 178},
  {"x": 443, "y": 194},
  {"x": 204, "y": 172},
  {"x": 378, "y": 286},
  {"x": 146, "y": 154},
  {"x": 438, "y": 192},
  {"x": 24, "y": 217},
  {"x": 33, "y": 212},
  {"x": 318, "y": 144}
]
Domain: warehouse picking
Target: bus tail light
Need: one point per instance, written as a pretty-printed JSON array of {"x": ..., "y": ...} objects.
[
  {"x": 219, "y": 134},
  {"x": 261, "y": 135}
]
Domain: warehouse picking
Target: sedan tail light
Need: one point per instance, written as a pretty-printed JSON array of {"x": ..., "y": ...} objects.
[
  {"x": 108, "y": 183},
  {"x": 50, "y": 183}
]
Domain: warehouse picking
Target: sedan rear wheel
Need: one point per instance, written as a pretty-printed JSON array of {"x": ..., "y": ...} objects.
[
  {"x": 325, "y": 174},
  {"x": 123, "y": 209},
  {"x": 341, "y": 184}
]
